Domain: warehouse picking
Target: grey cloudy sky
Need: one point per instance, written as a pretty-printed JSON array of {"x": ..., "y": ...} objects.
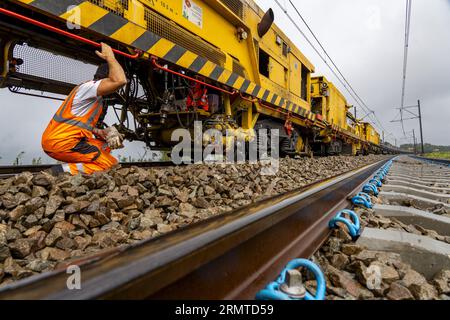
[{"x": 364, "y": 37}]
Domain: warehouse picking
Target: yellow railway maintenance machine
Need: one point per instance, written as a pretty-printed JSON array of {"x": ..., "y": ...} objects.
[
  {"x": 373, "y": 139},
  {"x": 341, "y": 135},
  {"x": 222, "y": 62}
]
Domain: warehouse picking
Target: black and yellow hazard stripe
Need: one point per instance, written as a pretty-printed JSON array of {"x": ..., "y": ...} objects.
[{"x": 102, "y": 21}]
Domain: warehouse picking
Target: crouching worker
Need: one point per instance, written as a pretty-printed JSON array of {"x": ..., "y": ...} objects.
[{"x": 69, "y": 135}]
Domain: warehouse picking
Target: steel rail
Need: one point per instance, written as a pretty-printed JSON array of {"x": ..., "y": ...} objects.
[
  {"x": 440, "y": 161},
  {"x": 9, "y": 171},
  {"x": 230, "y": 256}
]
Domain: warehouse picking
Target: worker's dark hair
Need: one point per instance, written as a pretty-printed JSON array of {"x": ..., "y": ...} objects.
[{"x": 102, "y": 72}]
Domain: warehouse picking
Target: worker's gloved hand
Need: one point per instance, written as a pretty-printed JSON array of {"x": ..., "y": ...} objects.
[
  {"x": 114, "y": 138},
  {"x": 100, "y": 134}
]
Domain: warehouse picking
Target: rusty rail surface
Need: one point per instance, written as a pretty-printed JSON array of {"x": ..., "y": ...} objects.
[
  {"x": 231, "y": 256},
  {"x": 9, "y": 171},
  {"x": 438, "y": 161}
]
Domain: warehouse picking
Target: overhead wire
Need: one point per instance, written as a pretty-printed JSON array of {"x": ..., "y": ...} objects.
[
  {"x": 338, "y": 73},
  {"x": 333, "y": 63},
  {"x": 405, "y": 60}
]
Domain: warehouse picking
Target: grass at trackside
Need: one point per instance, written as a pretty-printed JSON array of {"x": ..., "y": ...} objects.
[{"x": 438, "y": 155}]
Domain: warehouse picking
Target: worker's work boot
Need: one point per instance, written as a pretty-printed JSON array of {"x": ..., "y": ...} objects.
[{"x": 56, "y": 170}]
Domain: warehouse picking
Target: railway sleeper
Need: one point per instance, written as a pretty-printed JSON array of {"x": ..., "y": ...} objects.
[
  {"x": 402, "y": 253},
  {"x": 419, "y": 186}
]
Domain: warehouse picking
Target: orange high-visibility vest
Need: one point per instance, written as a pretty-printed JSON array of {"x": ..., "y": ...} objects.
[{"x": 65, "y": 129}]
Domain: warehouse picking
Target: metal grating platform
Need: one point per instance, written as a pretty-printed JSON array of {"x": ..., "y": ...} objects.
[{"x": 47, "y": 65}]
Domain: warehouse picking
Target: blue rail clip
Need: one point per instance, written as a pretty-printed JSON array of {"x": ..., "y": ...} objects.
[
  {"x": 352, "y": 224},
  {"x": 273, "y": 292},
  {"x": 362, "y": 199}
]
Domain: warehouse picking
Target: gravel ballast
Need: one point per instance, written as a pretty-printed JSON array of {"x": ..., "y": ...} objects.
[
  {"x": 355, "y": 273},
  {"x": 47, "y": 220}
]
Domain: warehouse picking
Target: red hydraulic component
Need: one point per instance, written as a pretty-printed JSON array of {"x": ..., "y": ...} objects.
[
  {"x": 249, "y": 100},
  {"x": 288, "y": 125},
  {"x": 14, "y": 64},
  {"x": 64, "y": 33},
  {"x": 199, "y": 98},
  {"x": 231, "y": 93}
]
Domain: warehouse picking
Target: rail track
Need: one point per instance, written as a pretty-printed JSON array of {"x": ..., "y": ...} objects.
[
  {"x": 231, "y": 256},
  {"x": 9, "y": 171},
  {"x": 437, "y": 161},
  {"x": 411, "y": 218}
]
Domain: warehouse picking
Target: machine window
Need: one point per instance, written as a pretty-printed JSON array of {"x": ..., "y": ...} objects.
[
  {"x": 264, "y": 63},
  {"x": 316, "y": 105},
  {"x": 285, "y": 49},
  {"x": 304, "y": 83}
]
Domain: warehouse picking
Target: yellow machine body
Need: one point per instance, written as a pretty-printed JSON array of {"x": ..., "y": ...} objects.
[
  {"x": 219, "y": 41},
  {"x": 329, "y": 102},
  {"x": 371, "y": 135}
]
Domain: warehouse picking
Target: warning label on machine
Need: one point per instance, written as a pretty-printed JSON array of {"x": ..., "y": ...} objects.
[{"x": 193, "y": 12}]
